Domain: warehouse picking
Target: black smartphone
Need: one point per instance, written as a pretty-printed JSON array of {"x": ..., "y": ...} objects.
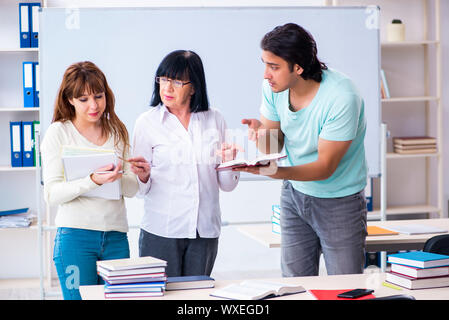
[{"x": 356, "y": 293}]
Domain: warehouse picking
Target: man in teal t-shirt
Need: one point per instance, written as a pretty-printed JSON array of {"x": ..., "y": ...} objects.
[{"x": 317, "y": 114}]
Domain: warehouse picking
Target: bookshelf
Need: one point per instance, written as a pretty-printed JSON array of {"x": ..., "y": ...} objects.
[
  {"x": 17, "y": 184},
  {"x": 414, "y": 108}
]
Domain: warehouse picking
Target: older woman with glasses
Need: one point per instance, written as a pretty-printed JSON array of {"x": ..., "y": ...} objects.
[{"x": 178, "y": 144}]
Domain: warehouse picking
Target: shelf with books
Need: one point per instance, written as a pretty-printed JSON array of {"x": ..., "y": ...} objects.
[
  {"x": 18, "y": 185},
  {"x": 411, "y": 69},
  {"x": 32, "y": 226}
]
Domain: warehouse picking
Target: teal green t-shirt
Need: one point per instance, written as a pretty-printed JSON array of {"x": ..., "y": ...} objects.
[{"x": 336, "y": 113}]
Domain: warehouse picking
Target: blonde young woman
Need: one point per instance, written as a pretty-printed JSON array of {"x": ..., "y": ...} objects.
[{"x": 89, "y": 228}]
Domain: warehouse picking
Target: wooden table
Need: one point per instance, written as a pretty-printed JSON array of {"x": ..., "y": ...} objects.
[
  {"x": 263, "y": 234},
  {"x": 368, "y": 280}
]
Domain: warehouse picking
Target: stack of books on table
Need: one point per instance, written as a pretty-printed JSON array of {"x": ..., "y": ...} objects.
[
  {"x": 413, "y": 145},
  {"x": 276, "y": 219},
  {"x": 133, "y": 277},
  {"x": 418, "y": 270}
]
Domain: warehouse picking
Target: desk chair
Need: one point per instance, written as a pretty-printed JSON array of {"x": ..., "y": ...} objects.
[{"x": 438, "y": 244}]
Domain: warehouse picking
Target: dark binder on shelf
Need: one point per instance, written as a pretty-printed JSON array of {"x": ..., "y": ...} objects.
[
  {"x": 28, "y": 86},
  {"x": 28, "y": 144},
  {"x": 15, "y": 128},
  {"x": 369, "y": 194},
  {"x": 36, "y": 84},
  {"x": 34, "y": 24},
  {"x": 14, "y": 211},
  {"x": 24, "y": 25}
]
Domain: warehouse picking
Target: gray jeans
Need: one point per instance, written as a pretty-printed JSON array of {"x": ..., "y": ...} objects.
[
  {"x": 334, "y": 226},
  {"x": 185, "y": 257}
]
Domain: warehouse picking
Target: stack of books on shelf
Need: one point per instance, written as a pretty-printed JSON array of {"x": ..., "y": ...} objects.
[
  {"x": 133, "y": 277},
  {"x": 418, "y": 270},
  {"x": 17, "y": 218},
  {"x": 413, "y": 145},
  {"x": 276, "y": 219}
]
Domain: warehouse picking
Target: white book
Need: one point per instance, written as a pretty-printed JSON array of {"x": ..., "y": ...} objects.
[
  {"x": 131, "y": 263},
  {"x": 259, "y": 161},
  {"x": 420, "y": 272},
  {"x": 81, "y": 162},
  {"x": 112, "y": 273},
  {"x": 109, "y": 295},
  {"x": 135, "y": 278},
  {"x": 416, "y": 229},
  {"x": 135, "y": 287},
  {"x": 256, "y": 289},
  {"x": 416, "y": 283}
]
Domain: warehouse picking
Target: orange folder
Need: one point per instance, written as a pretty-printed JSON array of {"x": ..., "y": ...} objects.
[{"x": 379, "y": 231}]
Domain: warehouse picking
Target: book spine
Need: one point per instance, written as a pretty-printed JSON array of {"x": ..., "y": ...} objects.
[{"x": 385, "y": 84}]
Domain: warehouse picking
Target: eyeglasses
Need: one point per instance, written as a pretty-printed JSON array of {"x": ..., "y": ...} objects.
[{"x": 163, "y": 81}]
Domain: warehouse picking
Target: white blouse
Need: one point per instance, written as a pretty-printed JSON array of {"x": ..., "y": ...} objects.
[{"x": 182, "y": 194}]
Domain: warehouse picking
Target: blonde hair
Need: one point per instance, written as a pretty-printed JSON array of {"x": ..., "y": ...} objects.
[{"x": 85, "y": 77}]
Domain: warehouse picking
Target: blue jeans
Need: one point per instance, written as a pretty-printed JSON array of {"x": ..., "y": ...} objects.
[
  {"x": 76, "y": 253},
  {"x": 334, "y": 226}
]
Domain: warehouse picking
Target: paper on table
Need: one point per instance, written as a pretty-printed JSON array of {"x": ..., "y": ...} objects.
[{"x": 416, "y": 229}]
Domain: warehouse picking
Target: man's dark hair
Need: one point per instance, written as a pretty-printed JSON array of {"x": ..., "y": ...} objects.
[
  {"x": 184, "y": 65},
  {"x": 297, "y": 46}
]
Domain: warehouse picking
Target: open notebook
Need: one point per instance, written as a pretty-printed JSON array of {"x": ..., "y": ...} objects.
[
  {"x": 80, "y": 162},
  {"x": 259, "y": 161},
  {"x": 256, "y": 289}
]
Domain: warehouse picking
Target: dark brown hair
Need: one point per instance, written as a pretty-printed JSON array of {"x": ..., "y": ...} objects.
[
  {"x": 295, "y": 45},
  {"x": 85, "y": 77}
]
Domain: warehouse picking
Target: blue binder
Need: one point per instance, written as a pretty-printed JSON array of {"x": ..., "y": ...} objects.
[
  {"x": 369, "y": 194},
  {"x": 27, "y": 144},
  {"x": 28, "y": 86},
  {"x": 24, "y": 25},
  {"x": 34, "y": 24},
  {"x": 15, "y": 129},
  {"x": 36, "y": 83},
  {"x": 15, "y": 211}
]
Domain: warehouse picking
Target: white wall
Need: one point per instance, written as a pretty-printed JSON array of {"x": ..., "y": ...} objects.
[
  {"x": 445, "y": 98},
  {"x": 253, "y": 200}
]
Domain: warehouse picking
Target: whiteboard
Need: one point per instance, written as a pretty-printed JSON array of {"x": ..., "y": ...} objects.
[{"x": 128, "y": 44}]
